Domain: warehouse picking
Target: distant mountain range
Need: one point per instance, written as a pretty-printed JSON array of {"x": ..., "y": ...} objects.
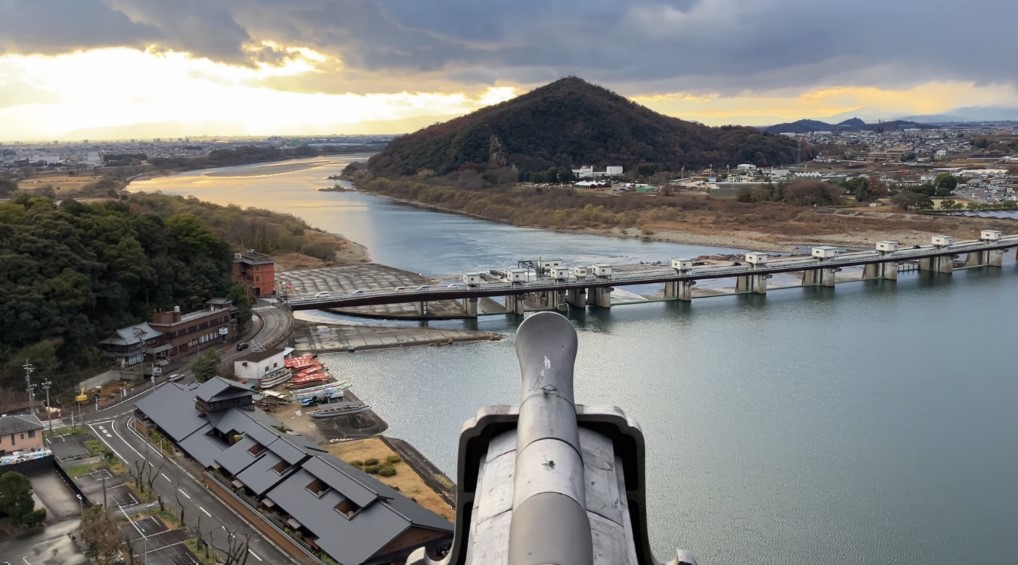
[
  {"x": 970, "y": 114},
  {"x": 852, "y": 124},
  {"x": 570, "y": 123}
]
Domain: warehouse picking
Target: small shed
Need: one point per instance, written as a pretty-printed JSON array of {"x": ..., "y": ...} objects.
[
  {"x": 580, "y": 272},
  {"x": 825, "y": 252},
  {"x": 602, "y": 270},
  {"x": 943, "y": 240},
  {"x": 756, "y": 258},
  {"x": 990, "y": 235},
  {"x": 682, "y": 264},
  {"x": 559, "y": 273},
  {"x": 471, "y": 279},
  {"x": 887, "y": 246}
]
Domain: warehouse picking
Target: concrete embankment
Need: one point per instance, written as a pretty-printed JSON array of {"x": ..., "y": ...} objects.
[{"x": 320, "y": 338}]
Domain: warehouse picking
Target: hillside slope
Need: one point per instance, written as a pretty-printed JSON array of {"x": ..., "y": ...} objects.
[{"x": 570, "y": 123}]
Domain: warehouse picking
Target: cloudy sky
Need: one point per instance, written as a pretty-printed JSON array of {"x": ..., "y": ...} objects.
[{"x": 143, "y": 68}]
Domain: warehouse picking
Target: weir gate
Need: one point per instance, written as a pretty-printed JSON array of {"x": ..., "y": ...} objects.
[{"x": 560, "y": 288}]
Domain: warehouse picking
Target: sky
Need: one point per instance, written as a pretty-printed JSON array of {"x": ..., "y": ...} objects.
[{"x": 73, "y": 69}]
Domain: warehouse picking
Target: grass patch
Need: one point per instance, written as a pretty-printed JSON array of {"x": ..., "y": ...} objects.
[
  {"x": 63, "y": 432},
  {"x": 95, "y": 447},
  {"x": 192, "y": 544},
  {"x": 168, "y": 518}
]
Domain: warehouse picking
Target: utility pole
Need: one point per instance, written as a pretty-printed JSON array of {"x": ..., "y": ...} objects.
[
  {"x": 29, "y": 369},
  {"x": 49, "y": 410}
]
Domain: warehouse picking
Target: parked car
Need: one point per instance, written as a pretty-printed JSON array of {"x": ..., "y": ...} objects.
[
  {"x": 175, "y": 377},
  {"x": 322, "y": 295},
  {"x": 243, "y": 345}
]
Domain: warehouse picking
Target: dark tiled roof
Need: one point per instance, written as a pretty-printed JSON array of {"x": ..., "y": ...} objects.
[
  {"x": 218, "y": 389},
  {"x": 257, "y": 356},
  {"x": 172, "y": 409},
  {"x": 19, "y": 423}
]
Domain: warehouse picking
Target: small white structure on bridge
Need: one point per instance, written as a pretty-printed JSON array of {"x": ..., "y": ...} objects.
[
  {"x": 559, "y": 273},
  {"x": 545, "y": 264},
  {"x": 943, "y": 241},
  {"x": 580, "y": 272},
  {"x": 825, "y": 252},
  {"x": 887, "y": 246},
  {"x": 602, "y": 270},
  {"x": 471, "y": 279},
  {"x": 516, "y": 275},
  {"x": 756, "y": 258},
  {"x": 682, "y": 264},
  {"x": 990, "y": 235}
]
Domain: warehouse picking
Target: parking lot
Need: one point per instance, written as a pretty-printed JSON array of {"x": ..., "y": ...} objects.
[{"x": 149, "y": 536}]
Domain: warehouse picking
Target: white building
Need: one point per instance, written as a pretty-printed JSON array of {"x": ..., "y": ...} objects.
[{"x": 258, "y": 364}]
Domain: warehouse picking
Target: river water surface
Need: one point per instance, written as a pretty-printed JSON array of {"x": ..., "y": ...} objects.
[{"x": 871, "y": 423}]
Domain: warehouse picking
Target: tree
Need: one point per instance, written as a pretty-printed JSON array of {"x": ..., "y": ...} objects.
[
  {"x": 16, "y": 496},
  {"x": 949, "y": 204},
  {"x": 206, "y": 366},
  {"x": 906, "y": 199},
  {"x": 102, "y": 536},
  {"x": 945, "y": 183}
]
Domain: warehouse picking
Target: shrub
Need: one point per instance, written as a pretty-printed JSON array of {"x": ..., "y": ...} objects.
[
  {"x": 372, "y": 469},
  {"x": 393, "y": 459},
  {"x": 357, "y": 463},
  {"x": 371, "y": 461},
  {"x": 387, "y": 471}
]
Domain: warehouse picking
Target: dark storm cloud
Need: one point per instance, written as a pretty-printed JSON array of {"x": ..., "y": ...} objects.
[
  {"x": 57, "y": 26},
  {"x": 666, "y": 45}
]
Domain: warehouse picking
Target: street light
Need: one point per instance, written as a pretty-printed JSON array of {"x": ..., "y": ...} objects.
[{"x": 81, "y": 505}]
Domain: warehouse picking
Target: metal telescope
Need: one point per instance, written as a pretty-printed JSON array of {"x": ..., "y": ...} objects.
[{"x": 550, "y": 482}]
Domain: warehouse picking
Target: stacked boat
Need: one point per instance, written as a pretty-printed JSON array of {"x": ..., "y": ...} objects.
[{"x": 307, "y": 371}]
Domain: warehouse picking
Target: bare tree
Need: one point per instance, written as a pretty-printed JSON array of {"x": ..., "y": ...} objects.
[
  {"x": 102, "y": 536},
  {"x": 235, "y": 550},
  {"x": 153, "y": 474},
  {"x": 176, "y": 494}
]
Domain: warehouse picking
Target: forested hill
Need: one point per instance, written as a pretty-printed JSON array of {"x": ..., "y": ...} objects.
[
  {"x": 570, "y": 123},
  {"x": 72, "y": 273}
]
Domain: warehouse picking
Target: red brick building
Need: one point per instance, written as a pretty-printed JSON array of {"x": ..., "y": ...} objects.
[{"x": 255, "y": 272}]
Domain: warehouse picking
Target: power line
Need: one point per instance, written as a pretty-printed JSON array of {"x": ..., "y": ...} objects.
[{"x": 29, "y": 369}]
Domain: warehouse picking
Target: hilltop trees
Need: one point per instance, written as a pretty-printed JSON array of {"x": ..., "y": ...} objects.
[
  {"x": 16, "y": 500},
  {"x": 570, "y": 123},
  {"x": 72, "y": 273}
]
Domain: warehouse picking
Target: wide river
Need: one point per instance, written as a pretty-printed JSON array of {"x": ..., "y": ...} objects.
[{"x": 872, "y": 423}]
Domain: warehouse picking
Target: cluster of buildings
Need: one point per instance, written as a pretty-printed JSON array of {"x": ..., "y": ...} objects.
[
  {"x": 296, "y": 486},
  {"x": 173, "y": 333},
  {"x": 86, "y": 154}
]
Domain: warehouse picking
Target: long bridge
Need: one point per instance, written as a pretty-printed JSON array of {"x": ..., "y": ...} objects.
[{"x": 582, "y": 286}]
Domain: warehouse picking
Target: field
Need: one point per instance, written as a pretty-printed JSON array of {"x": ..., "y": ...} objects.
[
  {"x": 406, "y": 479},
  {"x": 62, "y": 183}
]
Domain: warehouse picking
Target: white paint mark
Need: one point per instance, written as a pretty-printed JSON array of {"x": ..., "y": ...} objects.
[
  {"x": 255, "y": 555},
  {"x": 163, "y": 475},
  {"x": 184, "y": 493},
  {"x": 205, "y": 511}
]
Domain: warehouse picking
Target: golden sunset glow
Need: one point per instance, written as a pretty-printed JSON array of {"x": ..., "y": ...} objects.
[{"x": 121, "y": 92}]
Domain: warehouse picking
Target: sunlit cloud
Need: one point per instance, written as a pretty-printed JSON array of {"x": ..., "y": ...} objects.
[{"x": 105, "y": 88}]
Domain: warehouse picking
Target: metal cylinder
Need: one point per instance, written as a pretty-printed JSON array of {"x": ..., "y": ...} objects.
[{"x": 549, "y": 521}]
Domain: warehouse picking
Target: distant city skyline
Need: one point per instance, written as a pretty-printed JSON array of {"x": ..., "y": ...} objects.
[{"x": 76, "y": 69}]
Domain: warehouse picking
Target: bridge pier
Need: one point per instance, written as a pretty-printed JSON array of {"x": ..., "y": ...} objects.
[
  {"x": 422, "y": 309},
  {"x": 938, "y": 264},
  {"x": 515, "y": 304},
  {"x": 887, "y": 271},
  {"x": 985, "y": 258},
  {"x": 576, "y": 297},
  {"x": 820, "y": 277},
  {"x": 602, "y": 296},
  {"x": 757, "y": 284},
  {"x": 470, "y": 307},
  {"x": 679, "y": 290}
]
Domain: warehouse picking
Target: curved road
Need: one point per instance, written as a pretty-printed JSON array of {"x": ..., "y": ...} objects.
[
  {"x": 175, "y": 483},
  {"x": 112, "y": 426}
]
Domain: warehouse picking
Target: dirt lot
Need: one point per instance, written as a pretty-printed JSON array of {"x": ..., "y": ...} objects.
[
  {"x": 406, "y": 480},
  {"x": 62, "y": 183}
]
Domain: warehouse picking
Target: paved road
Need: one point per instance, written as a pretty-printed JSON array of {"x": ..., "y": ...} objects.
[
  {"x": 173, "y": 484},
  {"x": 50, "y": 546},
  {"x": 270, "y": 321}
]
